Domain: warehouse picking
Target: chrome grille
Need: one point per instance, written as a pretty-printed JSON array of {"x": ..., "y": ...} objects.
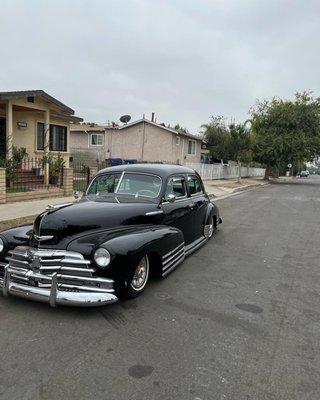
[{"x": 37, "y": 267}]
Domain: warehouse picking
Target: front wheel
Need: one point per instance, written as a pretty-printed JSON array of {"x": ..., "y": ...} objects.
[{"x": 139, "y": 279}]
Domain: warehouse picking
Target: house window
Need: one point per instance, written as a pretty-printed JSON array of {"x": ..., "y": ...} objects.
[
  {"x": 40, "y": 136},
  {"x": 97, "y": 139},
  {"x": 191, "y": 147},
  {"x": 178, "y": 140},
  {"x": 57, "y": 137}
]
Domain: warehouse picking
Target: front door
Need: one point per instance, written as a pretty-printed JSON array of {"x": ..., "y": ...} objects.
[
  {"x": 2, "y": 137},
  {"x": 200, "y": 204},
  {"x": 179, "y": 213}
]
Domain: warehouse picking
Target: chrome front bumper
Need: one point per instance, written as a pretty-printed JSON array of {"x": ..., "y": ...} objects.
[{"x": 68, "y": 282}]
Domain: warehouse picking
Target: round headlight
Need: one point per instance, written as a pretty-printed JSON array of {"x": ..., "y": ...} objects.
[
  {"x": 102, "y": 257},
  {"x": 1, "y": 245}
]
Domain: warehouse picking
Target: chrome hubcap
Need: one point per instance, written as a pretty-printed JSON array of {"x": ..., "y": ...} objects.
[
  {"x": 141, "y": 274},
  {"x": 210, "y": 230}
]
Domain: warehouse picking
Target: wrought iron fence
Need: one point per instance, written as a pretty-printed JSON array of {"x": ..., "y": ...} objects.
[
  {"x": 81, "y": 176},
  {"x": 29, "y": 174}
]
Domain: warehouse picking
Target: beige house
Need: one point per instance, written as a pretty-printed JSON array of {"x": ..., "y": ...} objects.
[
  {"x": 141, "y": 140},
  {"x": 37, "y": 121}
]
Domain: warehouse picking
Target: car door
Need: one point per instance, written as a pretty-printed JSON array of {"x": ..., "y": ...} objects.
[
  {"x": 179, "y": 212},
  {"x": 199, "y": 203}
]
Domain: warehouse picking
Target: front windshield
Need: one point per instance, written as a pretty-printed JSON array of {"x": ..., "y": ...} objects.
[{"x": 132, "y": 184}]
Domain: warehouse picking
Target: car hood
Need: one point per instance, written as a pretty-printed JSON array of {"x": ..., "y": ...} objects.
[{"x": 70, "y": 221}]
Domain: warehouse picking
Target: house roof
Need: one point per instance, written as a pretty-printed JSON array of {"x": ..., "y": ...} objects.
[
  {"x": 182, "y": 133},
  {"x": 35, "y": 93},
  {"x": 87, "y": 127}
]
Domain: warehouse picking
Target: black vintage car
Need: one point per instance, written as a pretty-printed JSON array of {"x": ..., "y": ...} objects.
[{"x": 133, "y": 221}]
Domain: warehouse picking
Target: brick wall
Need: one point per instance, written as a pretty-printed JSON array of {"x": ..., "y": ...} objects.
[{"x": 68, "y": 181}]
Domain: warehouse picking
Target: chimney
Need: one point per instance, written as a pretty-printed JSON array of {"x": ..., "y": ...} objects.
[{"x": 152, "y": 117}]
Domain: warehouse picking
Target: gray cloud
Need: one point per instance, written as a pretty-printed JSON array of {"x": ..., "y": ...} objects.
[{"x": 183, "y": 59}]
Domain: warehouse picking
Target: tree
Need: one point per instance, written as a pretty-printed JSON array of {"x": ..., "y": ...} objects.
[
  {"x": 240, "y": 143},
  {"x": 216, "y": 137},
  {"x": 286, "y": 131}
]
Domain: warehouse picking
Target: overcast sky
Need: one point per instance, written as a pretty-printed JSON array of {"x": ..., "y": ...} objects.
[{"x": 183, "y": 59}]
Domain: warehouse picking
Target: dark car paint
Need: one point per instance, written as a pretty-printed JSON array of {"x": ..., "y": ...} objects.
[{"x": 122, "y": 225}]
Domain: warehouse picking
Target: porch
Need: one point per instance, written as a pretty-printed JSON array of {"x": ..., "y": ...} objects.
[{"x": 36, "y": 122}]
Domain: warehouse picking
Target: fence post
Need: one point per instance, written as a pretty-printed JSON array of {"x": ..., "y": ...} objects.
[
  {"x": 3, "y": 194},
  {"x": 68, "y": 181},
  {"x": 93, "y": 170}
]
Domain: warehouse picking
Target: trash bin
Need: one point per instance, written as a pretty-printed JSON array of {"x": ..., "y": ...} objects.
[{"x": 129, "y": 161}]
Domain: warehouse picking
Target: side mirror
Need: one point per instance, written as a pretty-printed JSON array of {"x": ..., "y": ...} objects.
[
  {"x": 76, "y": 194},
  {"x": 171, "y": 198}
]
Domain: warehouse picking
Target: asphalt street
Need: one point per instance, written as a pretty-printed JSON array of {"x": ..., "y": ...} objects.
[{"x": 239, "y": 319}]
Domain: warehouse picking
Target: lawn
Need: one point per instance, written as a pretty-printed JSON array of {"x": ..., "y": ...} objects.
[{"x": 10, "y": 223}]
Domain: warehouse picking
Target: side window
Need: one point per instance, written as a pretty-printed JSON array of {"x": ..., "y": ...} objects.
[
  {"x": 176, "y": 186},
  {"x": 194, "y": 185}
]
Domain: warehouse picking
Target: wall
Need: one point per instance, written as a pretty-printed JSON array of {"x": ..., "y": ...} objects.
[
  {"x": 146, "y": 142},
  {"x": 219, "y": 171}
]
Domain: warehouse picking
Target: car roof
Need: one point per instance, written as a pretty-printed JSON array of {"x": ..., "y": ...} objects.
[{"x": 163, "y": 170}]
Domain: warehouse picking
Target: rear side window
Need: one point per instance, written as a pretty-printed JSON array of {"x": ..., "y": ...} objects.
[
  {"x": 176, "y": 186},
  {"x": 194, "y": 185}
]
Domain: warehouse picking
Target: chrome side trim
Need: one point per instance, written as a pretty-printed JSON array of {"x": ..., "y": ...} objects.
[
  {"x": 172, "y": 251},
  {"x": 173, "y": 265},
  {"x": 195, "y": 245},
  {"x": 173, "y": 259},
  {"x": 175, "y": 255},
  {"x": 154, "y": 212},
  {"x": 42, "y": 238}
]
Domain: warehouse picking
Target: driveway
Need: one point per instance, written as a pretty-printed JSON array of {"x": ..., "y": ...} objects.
[{"x": 240, "y": 319}]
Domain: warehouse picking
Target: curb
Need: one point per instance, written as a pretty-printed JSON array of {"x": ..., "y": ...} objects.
[{"x": 238, "y": 191}]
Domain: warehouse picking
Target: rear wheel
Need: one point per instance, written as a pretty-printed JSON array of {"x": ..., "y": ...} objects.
[
  {"x": 140, "y": 278},
  {"x": 211, "y": 227}
]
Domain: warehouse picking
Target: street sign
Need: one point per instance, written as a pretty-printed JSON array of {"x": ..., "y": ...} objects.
[{"x": 289, "y": 165}]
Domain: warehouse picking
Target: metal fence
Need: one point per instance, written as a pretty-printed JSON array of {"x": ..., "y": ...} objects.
[
  {"x": 221, "y": 171},
  {"x": 28, "y": 175},
  {"x": 81, "y": 176}
]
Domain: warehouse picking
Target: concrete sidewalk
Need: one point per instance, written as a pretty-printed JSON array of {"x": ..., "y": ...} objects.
[
  {"x": 26, "y": 208},
  {"x": 221, "y": 187}
]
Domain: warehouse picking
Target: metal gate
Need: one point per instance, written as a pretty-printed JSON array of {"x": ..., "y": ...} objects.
[{"x": 81, "y": 176}]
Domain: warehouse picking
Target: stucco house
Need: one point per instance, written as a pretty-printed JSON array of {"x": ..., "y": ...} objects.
[
  {"x": 37, "y": 121},
  {"x": 141, "y": 140}
]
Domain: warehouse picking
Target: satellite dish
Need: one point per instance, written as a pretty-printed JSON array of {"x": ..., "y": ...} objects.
[{"x": 125, "y": 119}]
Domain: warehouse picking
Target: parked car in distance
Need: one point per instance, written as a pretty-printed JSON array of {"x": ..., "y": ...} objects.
[
  {"x": 133, "y": 221},
  {"x": 304, "y": 174}
]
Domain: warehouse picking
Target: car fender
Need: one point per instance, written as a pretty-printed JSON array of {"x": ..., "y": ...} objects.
[
  {"x": 18, "y": 236},
  {"x": 212, "y": 211},
  {"x": 128, "y": 246}
]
